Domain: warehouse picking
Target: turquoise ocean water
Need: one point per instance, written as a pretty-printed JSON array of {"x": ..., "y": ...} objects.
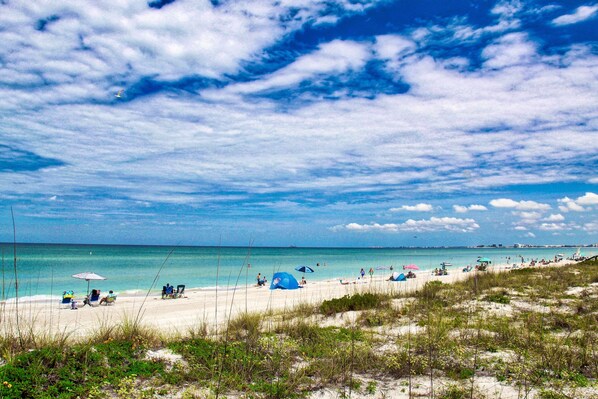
[{"x": 45, "y": 269}]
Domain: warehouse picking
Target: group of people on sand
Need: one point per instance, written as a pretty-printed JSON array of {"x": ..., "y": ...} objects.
[
  {"x": 370, "y": 272},
  {"x": 168, "y": 291},
  {"x": 261, "y": 280},
  {"x": 92, "y": 299}
]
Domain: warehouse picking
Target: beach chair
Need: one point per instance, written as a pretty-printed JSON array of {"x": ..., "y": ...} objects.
[
  {"x": 180, "y": 290},
  {"x": 169, "y": 293},
  {"x": 67, "y": 298},
  {"x": 109, "y": 299},
  {"x": 94, "y": 298}
]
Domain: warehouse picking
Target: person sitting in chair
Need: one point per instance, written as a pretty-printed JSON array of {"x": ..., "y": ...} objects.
[
  {"x": 108, "y": 298},
  {"x": 93, "y": 297},
  {"x": 167, "y": 291}
]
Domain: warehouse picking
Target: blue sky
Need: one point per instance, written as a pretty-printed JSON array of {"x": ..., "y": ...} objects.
[{"x": 299, "y": 122}]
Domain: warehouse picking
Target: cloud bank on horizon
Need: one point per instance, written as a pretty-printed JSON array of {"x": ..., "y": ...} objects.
[{"x": 299, "y": 122}]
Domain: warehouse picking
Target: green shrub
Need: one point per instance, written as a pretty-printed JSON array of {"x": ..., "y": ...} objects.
[
  {"x": 454, "y": 392},
  {"x": 355, "y": 302},
  {"x": 498, "y": 298},
  {"x": 551, "y": 395},
  {"x": 370, "y": 389},
  {"x": 372, "y": 319}
]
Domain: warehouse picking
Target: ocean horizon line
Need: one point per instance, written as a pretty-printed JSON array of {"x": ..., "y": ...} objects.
[{"x": 479, "y": 246}]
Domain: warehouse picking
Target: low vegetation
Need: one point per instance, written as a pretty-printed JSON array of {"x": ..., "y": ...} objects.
[{"x": 526, "y": 329}]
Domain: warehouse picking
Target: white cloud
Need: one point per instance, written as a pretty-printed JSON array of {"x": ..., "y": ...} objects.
[
  {"x": 393, "y": 50},
  {"x": 568, "y": 204},
  {"x": 581, "y": 14},
  {"x": 554, "y": 227},
  {"x": 528, "y": 112},
  {"x": 391, "y": 47},
  {"x": 555, "y": 217},
  {"x": 528, "y": 216},
  {"x": 520, "y": 228},
  {"x": 473, "y": 207},
  {"x": 336, "y": 57},
  {"x": 588, "y": 199},
  {"x": 414, "y": 208},
  {"x": 459, "y": 31},
  {"x": 459, "y": 208},
  {"x": 519, "y": 205},
  {"x": 372, "y": 227},
  {"x": 424, "y": 225},
  {"x": 590, "y": 226},
  {"x": 581, "y": 204},
  {"x": 509, "y": 50},
  {"x": 443, "y": 223},
  {"x": 530, "y": 234}
]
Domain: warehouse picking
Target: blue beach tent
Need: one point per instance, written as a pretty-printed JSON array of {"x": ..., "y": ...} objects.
[
  {"x": 398, "y": 277},
  {"x": 284, "y": 281}
]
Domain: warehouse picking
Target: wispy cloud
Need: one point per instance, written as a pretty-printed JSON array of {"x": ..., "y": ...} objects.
[
  {"x": 581, "y": 13},
  {"x": 269, "y": 110}
]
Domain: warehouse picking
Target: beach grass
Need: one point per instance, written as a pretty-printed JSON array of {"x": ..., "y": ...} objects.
[{"x": 532, "y": 331}]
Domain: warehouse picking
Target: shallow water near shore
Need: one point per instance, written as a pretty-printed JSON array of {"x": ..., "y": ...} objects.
[{"x": 44, "y": 270}]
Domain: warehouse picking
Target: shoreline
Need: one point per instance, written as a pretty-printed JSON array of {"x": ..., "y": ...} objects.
[
  {"x": 311, "y": 278},
  {"x": 211, "y": 308}
]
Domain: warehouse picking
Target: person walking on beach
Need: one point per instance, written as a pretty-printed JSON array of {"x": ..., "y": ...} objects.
[
  {"x": 371, "y": 272},
  {"x": 362, "y": 272}
]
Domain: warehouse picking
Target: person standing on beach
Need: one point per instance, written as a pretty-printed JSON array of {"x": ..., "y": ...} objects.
[
  {"x": 371, "y": 272},
  {"x": 362, "y": 272}
]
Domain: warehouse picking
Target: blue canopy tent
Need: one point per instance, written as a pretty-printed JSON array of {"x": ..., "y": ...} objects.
[
  {"x": 398, "y": 277},
  {"x": 284, "y": 281}
]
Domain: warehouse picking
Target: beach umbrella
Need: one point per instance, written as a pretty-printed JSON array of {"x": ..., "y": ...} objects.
[
  {"x": 410, "y": 267},
  {"x": 486, "y": 260},
  {"x": 88, "y": 276},
  {"x": 304, "y": 269}
]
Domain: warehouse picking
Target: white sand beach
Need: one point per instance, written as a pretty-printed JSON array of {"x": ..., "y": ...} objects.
[{"x": 207, "y": 307}]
